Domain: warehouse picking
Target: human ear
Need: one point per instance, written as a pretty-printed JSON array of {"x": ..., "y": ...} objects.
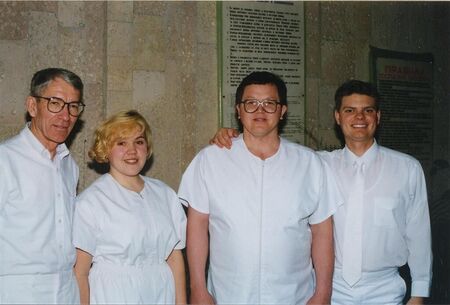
[
  {"x": 31, "y": 105},
  {"x": 238, "y": 110},
  {"x": 337, "y": 117}
]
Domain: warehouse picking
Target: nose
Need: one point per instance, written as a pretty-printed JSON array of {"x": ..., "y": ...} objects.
[
  {"x": 359, "y": 114},
  {"x": 65, "y": 112},
  {"x": 132, "y": 148}
]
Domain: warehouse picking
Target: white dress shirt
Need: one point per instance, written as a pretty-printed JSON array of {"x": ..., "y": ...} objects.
[
  {"x": 36, "y": 207},
  {"x": 130, "y": 236},
  {"x": 260, "y": 212},
  {"x": 396, "y": 223}
]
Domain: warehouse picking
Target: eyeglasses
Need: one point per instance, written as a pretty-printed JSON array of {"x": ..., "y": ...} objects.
[
  {"x": 251, "y": 105},
  {"x": 56, "y": 104}
]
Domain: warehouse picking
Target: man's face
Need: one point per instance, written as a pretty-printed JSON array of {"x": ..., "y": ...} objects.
[
  {"x": 358, "y": 118},
  {"x": 260, "y": 123},
  {"x": 50, "y": 128}
]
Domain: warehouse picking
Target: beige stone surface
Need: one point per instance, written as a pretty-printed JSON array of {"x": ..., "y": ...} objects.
[
  {"x": 94, "y": 46},
  {"x": 120, "y": 11},
  {"x": 337, "y": 62},
  {"x": 70, "y": 49},
  {"x": 312, "y": 42},
  {"x": 120, "y": 38},
  {"x": 149, "y": 45},
  {"x": 13, "y": 25},
  {"x": 43, "y": 40},
  {"x": 326, "y": 106},
  {"x": 335, "y": 20},
  {"x": 312, "y": 112},
  {"x": 151, "y": 8},
  {"x": 207, "y": 97},
  {"x": 118, "y": 101},
  {"x": 120, "y": 73},
  {"x": 42, "y": 6},
  {"x": 71, "y": 13},
  {"x": 206, "y": 27},
  {"x": 13, "y": 82}
]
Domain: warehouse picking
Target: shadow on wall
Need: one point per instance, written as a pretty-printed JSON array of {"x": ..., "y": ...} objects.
[{"x": 440, "y": 229}]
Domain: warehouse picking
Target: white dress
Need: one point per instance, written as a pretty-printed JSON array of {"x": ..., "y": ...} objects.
[{"x": 130, "y": 235}]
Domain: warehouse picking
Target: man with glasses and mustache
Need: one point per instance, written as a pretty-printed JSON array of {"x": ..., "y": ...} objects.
[
  {"x": 38, "y": 180},
  {"x": 265, "y": 205}
]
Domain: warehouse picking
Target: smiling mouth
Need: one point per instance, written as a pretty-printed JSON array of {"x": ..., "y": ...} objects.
[
  {"x": 131, "y": 161},
  {"x": 359, "y": 125}
]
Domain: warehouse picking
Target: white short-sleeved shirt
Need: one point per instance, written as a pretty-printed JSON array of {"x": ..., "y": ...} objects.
[
  {"x": 396, "y": 224},
  {"x": 121, "y": 228},
  {"x": 259, "y": 217},
  {"x": 37, "y": 197}
]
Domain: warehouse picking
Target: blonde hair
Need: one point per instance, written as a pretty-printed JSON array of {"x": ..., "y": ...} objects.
[{"x": 118, "y": 126}]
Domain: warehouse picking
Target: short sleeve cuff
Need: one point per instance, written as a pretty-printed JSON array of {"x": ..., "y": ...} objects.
[
  {"x": 420, "y": 289},
  {"x": 180, "y": 245},
  {"x": 194, "y": 206},
  {"x": 85, "y": 246}
]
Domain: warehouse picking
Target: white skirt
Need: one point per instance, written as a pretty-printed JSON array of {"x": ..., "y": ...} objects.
[{"x": 126, "y": 284}]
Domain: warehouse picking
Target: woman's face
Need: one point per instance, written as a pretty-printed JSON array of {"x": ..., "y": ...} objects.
[{"x": 128, "y": 155}]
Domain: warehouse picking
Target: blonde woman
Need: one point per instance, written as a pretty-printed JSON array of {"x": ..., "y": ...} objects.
[{"x": 129, "y": 227}]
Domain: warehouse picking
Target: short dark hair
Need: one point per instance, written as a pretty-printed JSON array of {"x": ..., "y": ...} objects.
[
  {"x": 41, "y": 79},
  {"x": 262, "y": 78},
  {"x": 359, "y": 87}
]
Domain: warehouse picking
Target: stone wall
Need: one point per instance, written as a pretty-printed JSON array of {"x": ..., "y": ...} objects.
[{"x": 156, "y": 57}]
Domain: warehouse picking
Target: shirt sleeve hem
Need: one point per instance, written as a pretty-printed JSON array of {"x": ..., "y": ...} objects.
[
  {"x": 84, "y": 247},
  {"x": 420, "y": 289},
  {"x": 188, "y": 204},
  {"x": 316, "y": 220}
]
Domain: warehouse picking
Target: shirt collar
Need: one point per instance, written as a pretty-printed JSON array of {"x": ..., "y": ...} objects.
[
  {"x": 61, "y": 150},
  {"x": 240, "y": 140},
  {"x": 367, "y": 158}
]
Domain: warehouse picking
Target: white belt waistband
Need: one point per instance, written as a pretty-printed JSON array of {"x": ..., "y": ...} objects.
[{"x": 370, "y": 275}]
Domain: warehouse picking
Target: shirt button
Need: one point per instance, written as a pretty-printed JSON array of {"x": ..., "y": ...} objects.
[
  {"x": 59, "y": 195},
  {"x": 59, "y": 220}
]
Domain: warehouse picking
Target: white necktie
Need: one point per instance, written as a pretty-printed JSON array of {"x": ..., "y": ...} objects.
[{"x": 352, "y": 256}]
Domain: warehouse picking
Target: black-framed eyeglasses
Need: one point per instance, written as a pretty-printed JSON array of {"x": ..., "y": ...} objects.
[
  {"x": 251, "y": 105},
  {"x": 56, "y": 104}
]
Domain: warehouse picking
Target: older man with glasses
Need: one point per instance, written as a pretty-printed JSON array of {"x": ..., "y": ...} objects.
[
  {"x": 38, "y": 180},
  {"x": 265, "y": 204}
]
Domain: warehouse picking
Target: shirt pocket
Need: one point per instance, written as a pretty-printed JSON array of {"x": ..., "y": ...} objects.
[{"x": 383, "y": 212}]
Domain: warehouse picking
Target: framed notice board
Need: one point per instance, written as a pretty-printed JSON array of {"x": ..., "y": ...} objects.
[
  {"x": 262, "y": 36},
  {"x": 405, "y": 82}
]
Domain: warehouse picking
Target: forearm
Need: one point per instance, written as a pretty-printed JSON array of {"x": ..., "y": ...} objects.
[
  {"x": 83, "y": 286},
  {"x": 197, "y": 248},
  {"x": 81, "y": 270},
  {"x": 322, "y": 253},
  {"x": 176, "y": 264},
  {"x": 415, "y": 301}
]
